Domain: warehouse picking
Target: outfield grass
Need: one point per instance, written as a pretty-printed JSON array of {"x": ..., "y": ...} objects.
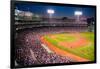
[
  {"x": 86, "y": 51},
  {"x": 61, "y": 37}
]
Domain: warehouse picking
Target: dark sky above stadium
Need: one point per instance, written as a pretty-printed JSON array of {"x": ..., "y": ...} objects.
[{"x": 60, "y": 11}]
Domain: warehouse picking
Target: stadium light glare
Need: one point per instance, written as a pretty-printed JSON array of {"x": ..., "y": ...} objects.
[
  {"x": 78, "y": 13},
  {"x": 50, "y": 11}
]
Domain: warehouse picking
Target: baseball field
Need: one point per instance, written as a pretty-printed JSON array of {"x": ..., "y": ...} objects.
[{"x": 77, "y": 46}]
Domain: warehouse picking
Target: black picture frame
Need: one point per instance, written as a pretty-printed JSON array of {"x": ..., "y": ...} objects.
[{"x": 12, "y": 34}]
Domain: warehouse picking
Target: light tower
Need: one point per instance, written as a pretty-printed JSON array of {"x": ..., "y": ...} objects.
[
  {"x": 50, "y": 12},
  {"x": 78, "y": 14}
]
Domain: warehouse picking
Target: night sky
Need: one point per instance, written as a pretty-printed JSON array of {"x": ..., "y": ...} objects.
[{"x": 60, "y": 11}]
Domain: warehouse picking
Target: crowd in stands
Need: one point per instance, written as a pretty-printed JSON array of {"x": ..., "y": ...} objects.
[
  {"x": 45, "y": 30},
  {"x": 27, "y": 41}
]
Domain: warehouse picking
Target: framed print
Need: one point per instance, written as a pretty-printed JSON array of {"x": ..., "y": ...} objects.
[{"x": 50, "y": 34}]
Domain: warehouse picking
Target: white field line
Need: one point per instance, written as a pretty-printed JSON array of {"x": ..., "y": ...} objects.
[
  {"x": 32, "y": 53},
  {"x": 48, "y": 50}
]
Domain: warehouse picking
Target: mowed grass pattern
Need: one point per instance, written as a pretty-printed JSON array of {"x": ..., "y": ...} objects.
[
  {"x": 61, "y": 37},
  {"x": 86, "y": 51}
]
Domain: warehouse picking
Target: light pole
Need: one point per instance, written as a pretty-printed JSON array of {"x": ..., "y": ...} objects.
[
  {"x": 78, "y": 14},
  {"x": 50, "y": 12}
]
